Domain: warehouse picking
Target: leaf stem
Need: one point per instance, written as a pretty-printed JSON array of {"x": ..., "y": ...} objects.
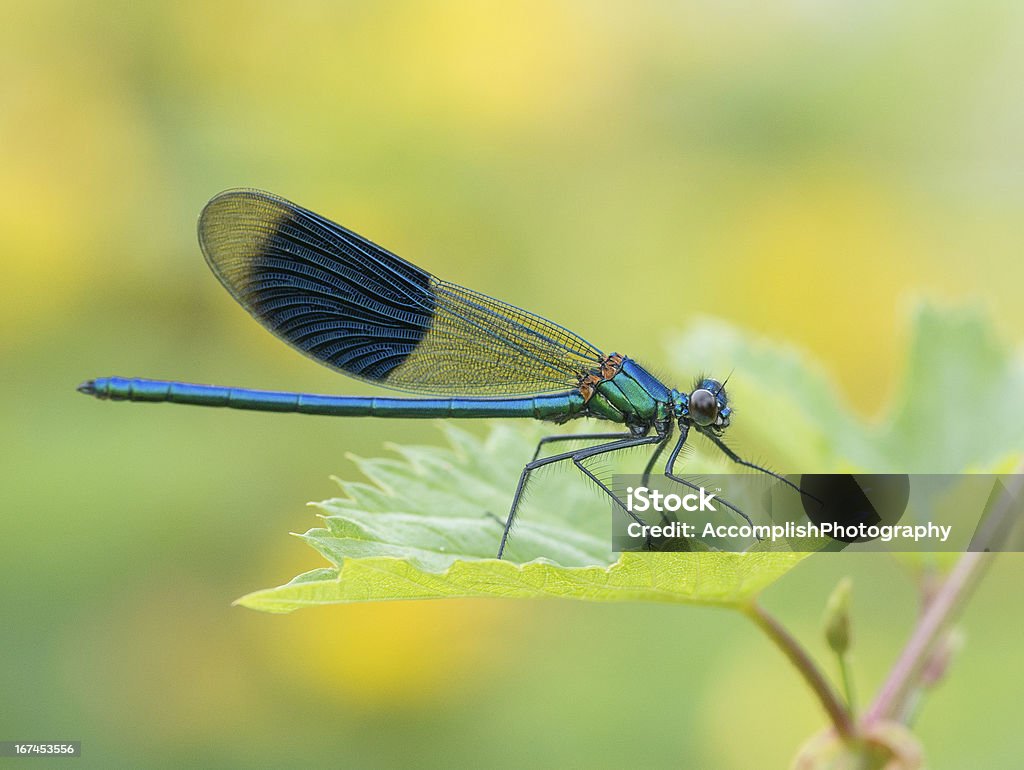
[{"x": 798, "y": 656}]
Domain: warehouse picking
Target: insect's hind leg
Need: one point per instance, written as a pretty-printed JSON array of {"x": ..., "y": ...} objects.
[
  {"x": 577, "y": 437},
  {"x": 535, "y": 463},
  {"x": 521, "y": 487},
  {"x": 622, "y": 443},
  {"x": 586, "y": 454}
]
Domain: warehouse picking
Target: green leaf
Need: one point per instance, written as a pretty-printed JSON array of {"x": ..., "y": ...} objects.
[
  {"x": 717, "y": 579},
  {"x": 426, "y": 524},
  {"x": 960, "y": 408}
]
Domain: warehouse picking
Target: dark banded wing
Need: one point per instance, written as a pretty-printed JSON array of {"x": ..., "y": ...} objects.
[{"x": 361, "y": 310}]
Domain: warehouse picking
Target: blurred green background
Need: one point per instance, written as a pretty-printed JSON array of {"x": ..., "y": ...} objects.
[{"x": 801, "y": 169}]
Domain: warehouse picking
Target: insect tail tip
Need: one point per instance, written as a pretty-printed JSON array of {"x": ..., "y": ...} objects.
[{"x": 88, "y": 388}]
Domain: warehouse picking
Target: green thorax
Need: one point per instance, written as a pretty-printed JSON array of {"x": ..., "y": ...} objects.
[{"x": 632, "y": 396}]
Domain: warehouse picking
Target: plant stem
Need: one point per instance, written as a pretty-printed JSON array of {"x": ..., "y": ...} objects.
[
  {"x": 944, "y": 605},
  {"x": 830, "y": 700},
  {"x": 844, "y": 672},
  {"x": 947, "y": 601}
]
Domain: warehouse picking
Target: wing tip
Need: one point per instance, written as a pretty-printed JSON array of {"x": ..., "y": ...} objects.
[
  {"x": 239, "y": 215},
  {"x": 232, "y": 195}
]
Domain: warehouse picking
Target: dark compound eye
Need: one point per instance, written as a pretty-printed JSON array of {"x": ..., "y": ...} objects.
[{"x": 703, "y": 407}]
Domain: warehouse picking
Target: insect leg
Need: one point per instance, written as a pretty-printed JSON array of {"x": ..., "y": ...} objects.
[
  {"x": 740, "y": 461},
  {"x": 622, "y": 443},
  {"x": 646, "y": 478},
  {"x": 577, "y": 437},
  {"x": 615, "y": 446},
  {"x": 650, "y": 463},
  {"x": 670, "y": 467}
]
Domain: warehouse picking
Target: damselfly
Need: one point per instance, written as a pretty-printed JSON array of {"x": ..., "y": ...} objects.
[{"x": 357, "y": 308}]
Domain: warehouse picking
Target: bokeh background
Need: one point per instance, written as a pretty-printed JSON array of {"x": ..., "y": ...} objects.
[{"x": 802, "y": 169}]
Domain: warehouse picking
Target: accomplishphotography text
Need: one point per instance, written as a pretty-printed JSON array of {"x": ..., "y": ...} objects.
[{"x": 790, "y": 530}]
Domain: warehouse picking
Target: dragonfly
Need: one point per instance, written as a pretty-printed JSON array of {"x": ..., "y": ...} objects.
[{"x": 365, "y": 312}]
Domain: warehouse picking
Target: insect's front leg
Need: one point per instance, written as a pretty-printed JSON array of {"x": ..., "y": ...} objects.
[{"x": 747, "y": 464}]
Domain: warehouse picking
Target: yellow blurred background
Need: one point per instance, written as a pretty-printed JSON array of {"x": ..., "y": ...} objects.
[{"x": 804, "y": 170}]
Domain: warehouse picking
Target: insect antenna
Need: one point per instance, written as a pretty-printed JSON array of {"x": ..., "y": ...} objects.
[{"x": 722, "y": 386}]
